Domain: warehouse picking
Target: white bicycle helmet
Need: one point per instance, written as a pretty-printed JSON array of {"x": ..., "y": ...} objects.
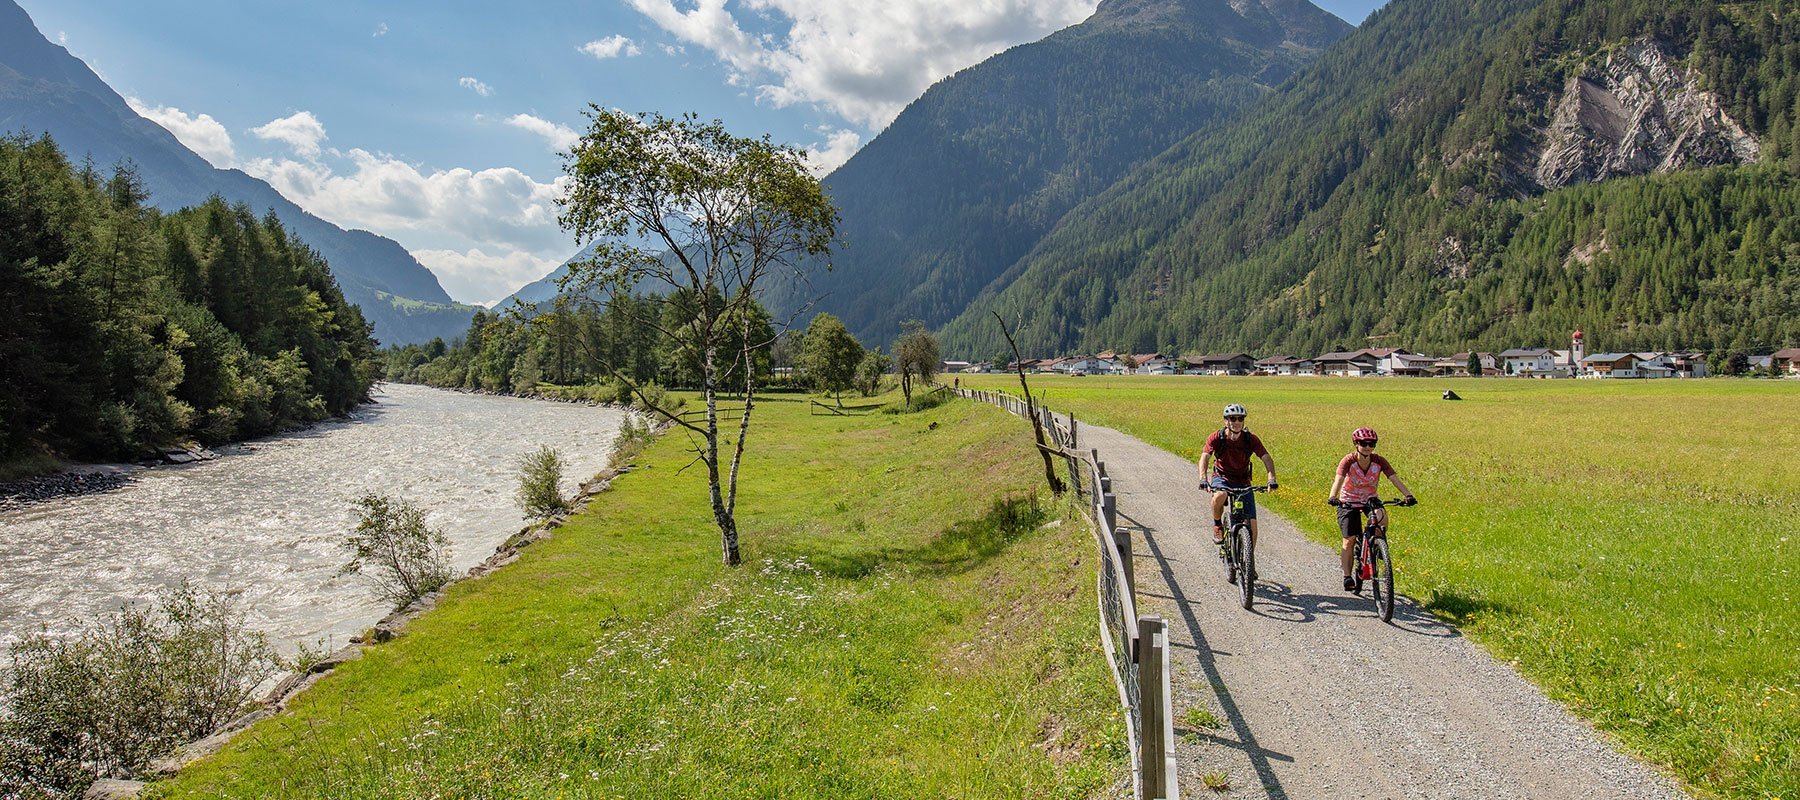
[{"x": 1235, "y": 410}]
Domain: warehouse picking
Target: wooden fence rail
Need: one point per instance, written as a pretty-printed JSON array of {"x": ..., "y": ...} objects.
[{"x": 1137, "y": 647}]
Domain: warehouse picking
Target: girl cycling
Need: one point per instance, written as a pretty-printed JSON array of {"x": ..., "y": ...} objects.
[{"x": 1358, "y": 476}]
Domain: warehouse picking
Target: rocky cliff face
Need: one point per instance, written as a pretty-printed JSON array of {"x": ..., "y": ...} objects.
[{"x": 1640, "y": 112}]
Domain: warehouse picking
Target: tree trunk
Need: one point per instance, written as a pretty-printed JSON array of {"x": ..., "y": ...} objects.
[{"x": 710, "y": 454}]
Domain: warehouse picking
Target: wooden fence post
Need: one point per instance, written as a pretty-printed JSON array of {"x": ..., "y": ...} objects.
[
  {"x": 1122, "y": 540},
  {"x": 1155, "y": 766},
  {"x": 1109, "y": 505}
]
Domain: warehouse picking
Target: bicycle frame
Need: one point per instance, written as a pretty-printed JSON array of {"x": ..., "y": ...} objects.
[
  {"x": 1239, "y": 549},
  {"x": 1374, "y": 529}
]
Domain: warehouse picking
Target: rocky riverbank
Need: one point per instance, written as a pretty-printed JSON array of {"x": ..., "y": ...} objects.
[{"x": 92, "y": 478}]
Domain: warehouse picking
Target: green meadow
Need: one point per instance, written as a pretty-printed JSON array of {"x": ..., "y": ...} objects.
[
  {"x": 1632, "y": 547},
  {"x": 912, "y": 620}
]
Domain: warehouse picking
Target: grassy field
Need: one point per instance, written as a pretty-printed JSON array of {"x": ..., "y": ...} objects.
[
  {"x": 1633, "y": 547},
  {"x": 911, "y": 620}
]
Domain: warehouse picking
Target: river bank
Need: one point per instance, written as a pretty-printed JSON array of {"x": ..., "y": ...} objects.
[
  {"x": 265, "y": 522},
  {"x": 910, "y": 620}
]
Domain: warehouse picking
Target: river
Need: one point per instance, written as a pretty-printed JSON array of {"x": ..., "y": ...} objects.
[{"x": 266, "y": 521}]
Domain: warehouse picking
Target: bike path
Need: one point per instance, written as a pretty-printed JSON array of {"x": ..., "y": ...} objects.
[{"x": 1316, "y": 697}]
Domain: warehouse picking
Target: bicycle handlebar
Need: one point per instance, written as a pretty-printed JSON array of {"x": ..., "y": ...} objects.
[
  {"x": 1237, "y": 489},
  {"x": 1375, "y": 502}
]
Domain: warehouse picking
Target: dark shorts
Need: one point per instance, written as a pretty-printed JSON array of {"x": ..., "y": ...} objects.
[
  {"x": 1350, "y": 521},
  {"x": 1218, "y": 483}
]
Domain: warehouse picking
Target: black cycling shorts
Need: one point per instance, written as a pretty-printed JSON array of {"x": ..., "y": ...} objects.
[{"x": 1350, "y": 521}]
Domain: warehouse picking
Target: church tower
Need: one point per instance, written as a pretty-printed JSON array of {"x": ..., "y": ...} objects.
[{"x": 1577, "y": 352}]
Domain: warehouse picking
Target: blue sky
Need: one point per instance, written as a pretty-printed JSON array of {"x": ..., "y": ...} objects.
[{"x": 438, "y": 123}]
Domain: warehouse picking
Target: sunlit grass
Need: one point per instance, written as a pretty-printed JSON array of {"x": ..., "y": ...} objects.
[
  {"x": 905, "y": 625},
  {"x": 1634, "y": 547}
]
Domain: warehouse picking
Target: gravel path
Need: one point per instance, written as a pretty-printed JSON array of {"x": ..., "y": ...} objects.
[{"x": 1315, "y": 696}]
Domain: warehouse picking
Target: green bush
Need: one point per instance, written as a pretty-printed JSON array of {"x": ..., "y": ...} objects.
[
  {"x": 133, "y": 687},
  {"x": 540, "y": 483},
  {"x": 392, "y": 548},
  {"x": 920, "y": 402},
  {"x": 635, "y": 434}
]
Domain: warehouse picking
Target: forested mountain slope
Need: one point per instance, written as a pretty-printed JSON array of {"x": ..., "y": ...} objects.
[
  {"x": 128, "y": 329},
  {"x": 44, "y": 89},
  {"x": 973, "y": 173},
  {"x": 1454, "y": 174}
]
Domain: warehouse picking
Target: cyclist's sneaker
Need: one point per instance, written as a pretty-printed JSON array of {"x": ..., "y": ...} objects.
[
  {"x": 1352, "y": 585},
  {"x": 1218, "y": 534}
]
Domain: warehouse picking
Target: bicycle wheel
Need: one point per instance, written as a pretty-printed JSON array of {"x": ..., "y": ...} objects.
[
  {"x": 1384, "y": 578},
  {"x": 1246, "y": 558}
]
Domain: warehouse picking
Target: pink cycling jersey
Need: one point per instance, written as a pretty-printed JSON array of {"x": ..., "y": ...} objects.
[{"x": 1360, "y": 483}]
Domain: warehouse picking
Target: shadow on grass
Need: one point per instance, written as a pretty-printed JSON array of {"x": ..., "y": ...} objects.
[
  {"x": 963, "y": 546},
  {"x": 1459, "y": 607}
]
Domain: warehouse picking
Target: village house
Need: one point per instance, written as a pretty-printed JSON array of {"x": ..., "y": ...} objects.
[
  {"x": 1221, "y": 364},
  {"x": 1487, "y": 364},
  {"x": 1156, "y": 364},
  {"x": 1626, "y": 365},
  {"x": 1085, "y": 365},
  {"x": 1529, "y": 361},
  {"x": 953, "y": 367},
  {"x": 1284, "y": 365},
  {"x": 1786, "y": 360},
  {"x": 1687, "y": 365},
  {"x": 1408, "y": 365},
  {"x": 1352, "y": 364}
]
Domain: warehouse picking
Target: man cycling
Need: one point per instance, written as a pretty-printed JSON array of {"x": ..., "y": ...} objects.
[
  {"x": 1226, "y": 464},
  {"x": 1358, "y": 478}
]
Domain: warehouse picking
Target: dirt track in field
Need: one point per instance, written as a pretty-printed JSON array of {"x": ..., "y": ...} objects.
[{"x": 1315, "y": 696}]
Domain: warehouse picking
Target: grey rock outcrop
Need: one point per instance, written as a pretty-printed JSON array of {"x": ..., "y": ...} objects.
[
  {"x": 113, "y": 789},
  {"x": 1640, "y": 112}
]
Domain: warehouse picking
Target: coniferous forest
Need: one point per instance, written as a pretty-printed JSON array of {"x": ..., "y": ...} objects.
[
  {"x": 1385, "y": 193},
  {"x": 128, "y": 329}
]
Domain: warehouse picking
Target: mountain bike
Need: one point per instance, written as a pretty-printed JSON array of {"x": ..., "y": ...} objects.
[
  {"x": 1238, "y": 551},
  {"x": 1373, "y": 562}
]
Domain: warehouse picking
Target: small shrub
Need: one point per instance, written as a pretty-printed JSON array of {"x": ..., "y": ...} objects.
[
  {"x": 131, "y": 688},
  {"x": 635, "y": 434},
  {"x": 921, "y": 401},
  {"x": 1217, "y": 780},
  {"x": 1197, "y": 717},
  {"x": 400, "y": 557},
  {"x": 540, "y": 483}
]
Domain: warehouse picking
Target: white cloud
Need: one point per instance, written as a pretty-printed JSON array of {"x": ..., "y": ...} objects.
[
  {"x": 499, "y": 207},
  {"x": 301, "y": 131},
  {"x": 838, "y": 147},
  {"x": 484, "y": 277},
  {"x": 672, "y": 50},
  {"x": 62, "y": 38},
  {"x": 863, "y": 60},
  {"x": 380, "y": 30},
  {"x": 199, "y": 132},
  {"x": 561, "y": 137},
  {"x": 479, "y": 88},
  {"x": 611, "y": 47}
]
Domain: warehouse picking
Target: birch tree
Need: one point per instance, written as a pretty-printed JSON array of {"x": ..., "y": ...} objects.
[{"x": 684, "y": 205}]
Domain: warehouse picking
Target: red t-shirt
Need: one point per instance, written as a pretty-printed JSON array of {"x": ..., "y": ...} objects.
[{"x": 1231, "y": 460}]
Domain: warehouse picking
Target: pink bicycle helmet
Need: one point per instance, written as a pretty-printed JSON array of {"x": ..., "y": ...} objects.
[{"x": 1364, "y": 434}]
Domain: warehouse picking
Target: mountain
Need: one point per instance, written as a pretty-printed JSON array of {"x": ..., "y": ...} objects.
[
  {"x": 45, "y": 89},
  {"x": 544, "y": 288},
  {"x": 971, "y": 175},
  {"x": 1456, "y": 174}
]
